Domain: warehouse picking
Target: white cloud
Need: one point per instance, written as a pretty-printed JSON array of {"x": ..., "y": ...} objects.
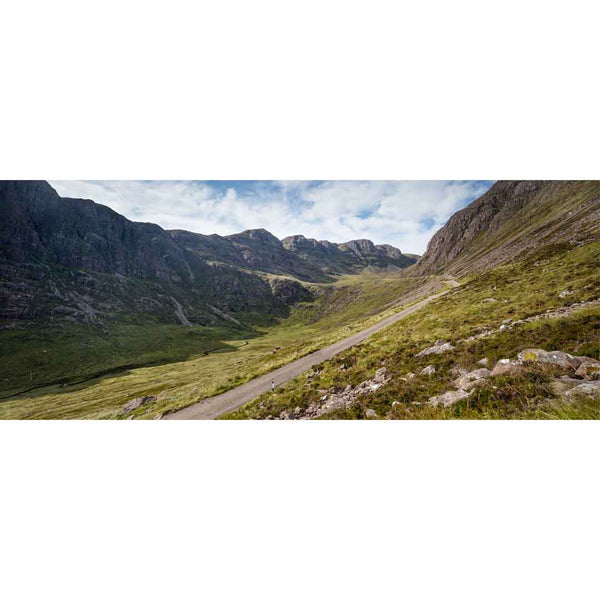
[{"x": 402, "y": 213}]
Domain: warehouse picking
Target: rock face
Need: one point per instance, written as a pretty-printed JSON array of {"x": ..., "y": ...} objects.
[
  {"x": 76, "y": 260},
  {"x": 512, "y": 217},
  {"x": 347, "y": 257}
]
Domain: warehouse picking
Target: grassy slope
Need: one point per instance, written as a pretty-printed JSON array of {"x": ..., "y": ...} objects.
[
  {"x": 349, "y": 304},
  {"x": 522, "y": 289}
]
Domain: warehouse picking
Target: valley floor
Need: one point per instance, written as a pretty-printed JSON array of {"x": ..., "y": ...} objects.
[{"x": 340, "y": 309}]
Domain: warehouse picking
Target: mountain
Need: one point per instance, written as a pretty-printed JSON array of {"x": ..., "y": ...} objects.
[
  {"x": 347, "y": 257},
  {"x": 76, "y": 260},
  {"x": 254, "y": 249},
  {"x": 511, "y": 219}
]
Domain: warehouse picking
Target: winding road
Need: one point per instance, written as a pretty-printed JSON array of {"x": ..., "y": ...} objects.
[{"x": 216, "y": 406}]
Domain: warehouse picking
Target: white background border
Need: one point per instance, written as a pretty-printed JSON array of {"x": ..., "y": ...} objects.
[{"x": 310, "y": 90}]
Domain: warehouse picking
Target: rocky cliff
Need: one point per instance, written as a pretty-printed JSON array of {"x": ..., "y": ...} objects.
[
  {"x": 347, "y": 257},
  {"x": 512, "y": 218},
  {"x": 74, "y": 259}
]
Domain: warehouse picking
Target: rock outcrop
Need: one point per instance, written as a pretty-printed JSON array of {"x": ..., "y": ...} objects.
[
  {"x": 568, "y": 386},
  {"x": 339, "y": 400}
]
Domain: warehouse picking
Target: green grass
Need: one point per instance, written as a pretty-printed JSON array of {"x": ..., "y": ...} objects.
[
  {"x": 186, "y": 375},
  {"x": 35, "y": 357},
  {"x": 521, "y": 289}
]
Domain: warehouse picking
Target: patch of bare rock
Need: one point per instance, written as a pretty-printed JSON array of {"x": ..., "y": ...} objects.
[
  {"x": 340, "y": 399},
  {"x": 551, "y": 313},
  {"x": 438, "y": 348},
  {"x": 583, "y": 379},
  {"x": 136, "y": 403}
]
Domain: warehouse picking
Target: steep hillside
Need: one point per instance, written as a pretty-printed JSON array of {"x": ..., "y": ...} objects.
[
  {"x": 76, "y": 260},
  {"x": 511, "y": 219}
]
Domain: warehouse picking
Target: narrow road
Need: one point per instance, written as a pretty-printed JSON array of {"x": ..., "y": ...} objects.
[{"x": 215, "y": 406}]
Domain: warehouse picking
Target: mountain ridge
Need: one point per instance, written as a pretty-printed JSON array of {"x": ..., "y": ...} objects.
[{"x": 52, "y": 247}]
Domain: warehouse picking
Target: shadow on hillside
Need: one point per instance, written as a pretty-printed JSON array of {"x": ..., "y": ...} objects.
[{"x": 130, "y": 360}]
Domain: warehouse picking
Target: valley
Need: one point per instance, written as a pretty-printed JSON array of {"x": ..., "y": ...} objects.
[
  {"x": 339, "y": 309},
  {"x": 106, "y": 318}
]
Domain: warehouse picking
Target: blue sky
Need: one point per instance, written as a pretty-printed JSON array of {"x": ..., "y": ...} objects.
[{"x": 402, "y": 213}]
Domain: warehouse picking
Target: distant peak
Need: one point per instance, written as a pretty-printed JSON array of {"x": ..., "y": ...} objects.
[{"x": 255, "y": 234}]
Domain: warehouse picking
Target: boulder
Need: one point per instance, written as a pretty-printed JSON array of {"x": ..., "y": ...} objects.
[
  {"x": 428, "y": 370},
  {"x": 449, "y": 398},
  {"x": 565, "y": 294},
  {"x": 506, "y": 365},
  {"x": 472, "y": 376},
  {"x": 590, "y": 389},
  {"x": 371, "y": 414},
  {"x": 137, "y": 402},
  {"x": 490, "y": 300},
  {"x": 589, "y": 370},
  {"x": 438, "y": 348},
  {"x": 484, "y": 362},
  {"x": 554, "y": 357}
]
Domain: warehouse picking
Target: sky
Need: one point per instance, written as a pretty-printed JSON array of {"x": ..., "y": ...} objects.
[{"x": 404, "y": 214}]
